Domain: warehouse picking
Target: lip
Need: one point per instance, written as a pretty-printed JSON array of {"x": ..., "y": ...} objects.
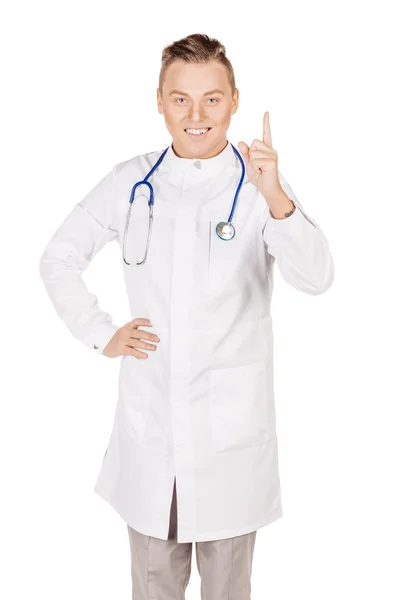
[{"x": 198, "y": 135}]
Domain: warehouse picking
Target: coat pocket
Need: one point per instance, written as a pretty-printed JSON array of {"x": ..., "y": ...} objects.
[
  {"x": 233, "y": 263},
  {"x": 238, "y": 397}
]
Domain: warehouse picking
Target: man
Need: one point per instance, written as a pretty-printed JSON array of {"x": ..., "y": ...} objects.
[{"x": 193, "y": 452}]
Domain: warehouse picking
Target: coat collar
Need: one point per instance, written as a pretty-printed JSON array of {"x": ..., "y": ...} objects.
[{"x": 197, "y": 167}]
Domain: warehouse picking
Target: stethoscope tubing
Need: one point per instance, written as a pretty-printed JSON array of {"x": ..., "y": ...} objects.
[{"x": 227, "y": 225}]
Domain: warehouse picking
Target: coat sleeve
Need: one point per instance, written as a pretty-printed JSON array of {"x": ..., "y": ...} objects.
[
  {"x": 83, "y": 233},
  {"x": 299, "y": 247}
]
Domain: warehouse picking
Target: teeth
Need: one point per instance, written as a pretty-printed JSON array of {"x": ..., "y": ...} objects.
[{"x": 197, "y": 131}]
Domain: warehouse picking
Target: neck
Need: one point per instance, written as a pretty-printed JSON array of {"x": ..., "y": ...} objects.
[{"x": 184, "y": 153}]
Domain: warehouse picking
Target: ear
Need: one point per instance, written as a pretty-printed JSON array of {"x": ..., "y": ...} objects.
[
  {"x": 235, "y": 101},
  {"x": 159, "y": 102}
]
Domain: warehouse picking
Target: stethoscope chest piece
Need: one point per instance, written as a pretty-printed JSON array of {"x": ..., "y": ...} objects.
[{"x": 225, "y": 231}]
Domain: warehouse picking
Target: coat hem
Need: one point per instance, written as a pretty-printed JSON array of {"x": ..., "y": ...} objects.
[{"x": 201, "y": 537}]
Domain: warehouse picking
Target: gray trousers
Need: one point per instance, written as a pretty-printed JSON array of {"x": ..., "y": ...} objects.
[{"x": 161, "y": 569}]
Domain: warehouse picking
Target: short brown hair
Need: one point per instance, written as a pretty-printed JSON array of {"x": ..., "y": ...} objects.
[{"x": 195, "y": 48}]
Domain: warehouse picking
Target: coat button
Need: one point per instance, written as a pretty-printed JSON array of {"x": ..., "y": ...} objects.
[{"x": 95, "y": 347}]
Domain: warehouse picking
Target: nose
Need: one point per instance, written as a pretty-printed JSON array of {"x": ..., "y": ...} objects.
[{"x": 196, "y": 112}]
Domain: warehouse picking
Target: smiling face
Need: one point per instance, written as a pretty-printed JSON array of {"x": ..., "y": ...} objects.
[{"x": 197, "y": 96}]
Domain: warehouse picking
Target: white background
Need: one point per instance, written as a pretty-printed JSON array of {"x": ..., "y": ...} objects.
[{"x": 79, "y": 96}]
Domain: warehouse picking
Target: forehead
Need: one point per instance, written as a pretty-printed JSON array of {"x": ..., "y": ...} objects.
[{"x": 195, "y": 77}]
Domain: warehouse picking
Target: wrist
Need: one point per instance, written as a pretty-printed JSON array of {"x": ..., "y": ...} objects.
[
  {"x": 282, "y": 210},
  {"x": 280, "y": 205}
]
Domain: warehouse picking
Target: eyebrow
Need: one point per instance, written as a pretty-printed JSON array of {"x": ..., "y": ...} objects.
[{"x": 205, "y": 94}]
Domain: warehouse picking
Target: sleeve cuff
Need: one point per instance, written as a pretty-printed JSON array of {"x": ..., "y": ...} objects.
[
  {"x": 102, "y": 336},
  {"x": 290, "y": 225}
]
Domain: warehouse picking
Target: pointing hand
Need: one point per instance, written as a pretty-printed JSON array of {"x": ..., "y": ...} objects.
[{"x": 262, "y": 163}]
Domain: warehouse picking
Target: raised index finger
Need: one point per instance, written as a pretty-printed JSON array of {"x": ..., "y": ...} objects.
[{"x": 267, "y": 131}]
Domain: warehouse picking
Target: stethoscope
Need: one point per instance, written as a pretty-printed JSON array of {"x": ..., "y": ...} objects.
[{"x": 224, "y": 230}]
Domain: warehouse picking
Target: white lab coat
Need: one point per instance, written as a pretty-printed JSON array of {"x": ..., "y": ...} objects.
[{"x": 201, "y": 406}]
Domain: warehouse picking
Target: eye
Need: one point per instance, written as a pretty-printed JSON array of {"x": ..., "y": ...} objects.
[
  {"x": 216, "y": 99},
  {"x": 179, "y": 99}
]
